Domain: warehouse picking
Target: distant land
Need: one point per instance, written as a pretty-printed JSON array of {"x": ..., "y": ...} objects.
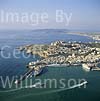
[{"x": 93, "y": 34}]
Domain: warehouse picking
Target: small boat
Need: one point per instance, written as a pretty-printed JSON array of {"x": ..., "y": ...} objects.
[
  {"x": 80, "y": 84},
  {"x": 17, "y": 81},
  {"x": 37, "y": 85}
]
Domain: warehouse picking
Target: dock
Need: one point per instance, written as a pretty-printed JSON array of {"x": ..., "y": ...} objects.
[{"x": 24, "y": 76}]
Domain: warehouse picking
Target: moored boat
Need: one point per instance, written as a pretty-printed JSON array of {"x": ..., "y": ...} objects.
[
  {"x": 88, "y": 66},
  {"x": 57, "y": 65}
]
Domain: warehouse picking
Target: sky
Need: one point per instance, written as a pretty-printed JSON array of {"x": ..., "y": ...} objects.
[{"x": 82, "y": 14}]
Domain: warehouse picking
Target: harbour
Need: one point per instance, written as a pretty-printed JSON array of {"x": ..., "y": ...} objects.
[
  {"x": 63, "y": 54},
  {"x": 18, "y": 67},
  {"x": 49, "y": 50}
]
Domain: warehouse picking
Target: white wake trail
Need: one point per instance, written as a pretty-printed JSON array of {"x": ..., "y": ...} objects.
[
  {"x": 47, "y": 92},
  {"x": 63, "y": 89}
]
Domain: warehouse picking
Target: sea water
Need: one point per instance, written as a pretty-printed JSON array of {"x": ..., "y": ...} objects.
[{"x": 16, "y": 67}]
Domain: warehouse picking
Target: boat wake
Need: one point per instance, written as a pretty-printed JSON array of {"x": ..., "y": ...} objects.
[
  {"x": 63, "y": 89},
  {"x": 46, "y": 92}
]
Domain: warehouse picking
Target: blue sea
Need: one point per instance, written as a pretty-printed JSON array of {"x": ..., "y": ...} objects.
[{"x": 17, "y": 66}]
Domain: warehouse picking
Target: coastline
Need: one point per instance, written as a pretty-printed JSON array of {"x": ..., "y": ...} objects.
[
  {"x": 94, "y": 35},
  {"x": 61, "y": 53}
]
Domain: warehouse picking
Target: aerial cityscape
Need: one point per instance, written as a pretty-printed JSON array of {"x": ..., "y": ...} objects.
[{"x": 49, "y": 50}]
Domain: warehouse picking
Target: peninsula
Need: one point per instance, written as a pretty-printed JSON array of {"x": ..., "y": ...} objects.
[{"x": 62, "y": 54}]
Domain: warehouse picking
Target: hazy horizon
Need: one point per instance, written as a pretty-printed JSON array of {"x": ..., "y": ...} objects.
[{"x": 85, "y": 14}]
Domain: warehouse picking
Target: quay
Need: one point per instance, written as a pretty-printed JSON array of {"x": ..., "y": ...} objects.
[{"x": 24, "y": 76}]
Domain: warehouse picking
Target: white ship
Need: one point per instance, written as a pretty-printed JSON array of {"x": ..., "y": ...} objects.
[
  {"x": 36, "y": 85},
  {"x": 87, "y": 67},
  {"x": 58, "y": 65}
]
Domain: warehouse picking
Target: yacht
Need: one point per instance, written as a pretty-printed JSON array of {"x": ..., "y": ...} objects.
[{"x": 36, "y": 85}]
